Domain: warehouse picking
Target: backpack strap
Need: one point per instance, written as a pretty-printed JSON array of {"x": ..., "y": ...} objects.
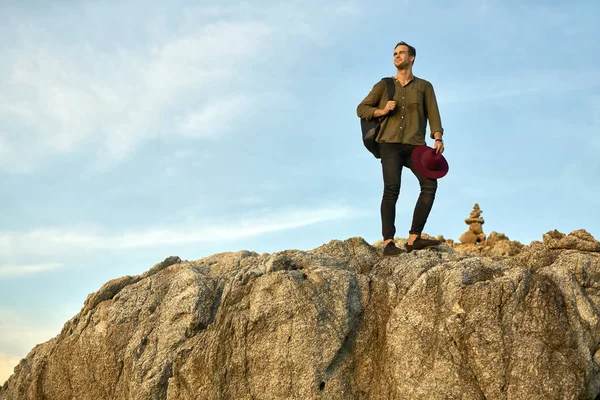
[{"x": 391, "y": 87}]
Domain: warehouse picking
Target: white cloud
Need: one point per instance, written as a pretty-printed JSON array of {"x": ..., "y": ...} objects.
[
  {"x": 26, "y": 269},
  {"x": 215, "y": 117},
  {"x": 500, "y": 88},
  {"x": 65, "y": 98},
  {"x": 62, "y": 99},
  {"x": 105, "y": 91},
  {"x": 251, "y": 200},
  {"x": 57, "y": 243}
]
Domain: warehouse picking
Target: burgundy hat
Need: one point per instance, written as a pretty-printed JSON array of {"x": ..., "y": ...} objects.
[{"x": 429, "y": 163}]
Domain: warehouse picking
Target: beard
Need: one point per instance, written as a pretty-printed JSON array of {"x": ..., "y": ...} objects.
[{"x": 403, "y": 65}]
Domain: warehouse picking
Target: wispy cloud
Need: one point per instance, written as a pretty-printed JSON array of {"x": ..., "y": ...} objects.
[
  {"x": 63, "y": 99},
  {"x": 59, "y": 96},
  {"x": 27, "y": 269},
  {"x": 214, "y": 118},
  {"x": 532, "y": 83},
  {"x": 56, "y": 243}
]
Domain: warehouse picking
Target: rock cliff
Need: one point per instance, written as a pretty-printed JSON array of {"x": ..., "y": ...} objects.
[{"x": 337, "y": 322}]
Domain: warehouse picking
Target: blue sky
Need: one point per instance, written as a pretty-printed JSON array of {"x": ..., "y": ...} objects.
[{"x": 131, "y": 132}]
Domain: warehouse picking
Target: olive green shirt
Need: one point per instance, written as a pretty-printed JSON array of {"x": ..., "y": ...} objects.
[{"x": 415, "y": 104}]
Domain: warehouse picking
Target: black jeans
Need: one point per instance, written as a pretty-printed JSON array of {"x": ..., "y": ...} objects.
[{"x": 394, "y": 156}]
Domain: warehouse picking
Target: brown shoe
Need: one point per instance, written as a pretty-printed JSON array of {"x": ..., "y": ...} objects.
[
  {"x": 420, "y": 244},
  {"x": 390, "y": 249}
]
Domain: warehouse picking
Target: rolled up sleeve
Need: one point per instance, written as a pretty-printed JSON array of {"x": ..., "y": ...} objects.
[
  {"x": 433, "y": 112},
  {"x": 367, "y": 107}
]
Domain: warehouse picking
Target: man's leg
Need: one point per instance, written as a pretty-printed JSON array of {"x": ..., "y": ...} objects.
[
  {"x": 424, "y": 202},
  {"x": 391, "y": 163}
]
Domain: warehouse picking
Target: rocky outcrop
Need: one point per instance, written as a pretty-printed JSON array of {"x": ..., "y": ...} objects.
[
  {"x": 577, "y": 240},
  {"x": 336, "y": 322},
  {"x": 475, "y": 242},
  {"x": 496, "y": 245}
]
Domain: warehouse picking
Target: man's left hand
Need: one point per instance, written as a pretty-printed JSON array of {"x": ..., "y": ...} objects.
[{"x": 438, "y": 146}]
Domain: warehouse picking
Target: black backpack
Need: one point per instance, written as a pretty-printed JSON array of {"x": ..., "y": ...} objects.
[{"x": 370, "y": 128}]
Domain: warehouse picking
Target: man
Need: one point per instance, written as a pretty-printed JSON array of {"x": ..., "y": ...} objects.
[{"x": 401, "y": 132}]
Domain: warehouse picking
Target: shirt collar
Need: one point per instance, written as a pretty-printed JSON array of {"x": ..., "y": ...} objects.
[{"x": 413, "y": 78}]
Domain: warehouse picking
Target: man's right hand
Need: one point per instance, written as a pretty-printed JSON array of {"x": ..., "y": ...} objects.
[{"x": 390, "y": 105}]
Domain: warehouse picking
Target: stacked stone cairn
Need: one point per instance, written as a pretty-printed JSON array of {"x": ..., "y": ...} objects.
[{"x": 475, "y": 233}]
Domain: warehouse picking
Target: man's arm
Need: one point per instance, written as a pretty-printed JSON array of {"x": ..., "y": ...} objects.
[
  {"x": 435, "y": 121},
  {"x": 380, "y": 112},
  {"x": 368, "y": 107},
  {"x": 433, "y": 113}
]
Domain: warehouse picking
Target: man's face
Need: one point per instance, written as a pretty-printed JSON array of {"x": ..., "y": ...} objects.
[{"x": 401, "y": 57}]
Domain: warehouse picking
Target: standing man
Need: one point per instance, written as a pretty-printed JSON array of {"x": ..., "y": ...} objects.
[{"x": 401, "y": 132}]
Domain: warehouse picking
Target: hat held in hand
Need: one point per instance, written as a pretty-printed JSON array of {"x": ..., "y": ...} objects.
[{"x": 429, "y": 163}]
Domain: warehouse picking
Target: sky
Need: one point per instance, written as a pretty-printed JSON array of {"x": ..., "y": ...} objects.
[{"x": 130, "y": 132}]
